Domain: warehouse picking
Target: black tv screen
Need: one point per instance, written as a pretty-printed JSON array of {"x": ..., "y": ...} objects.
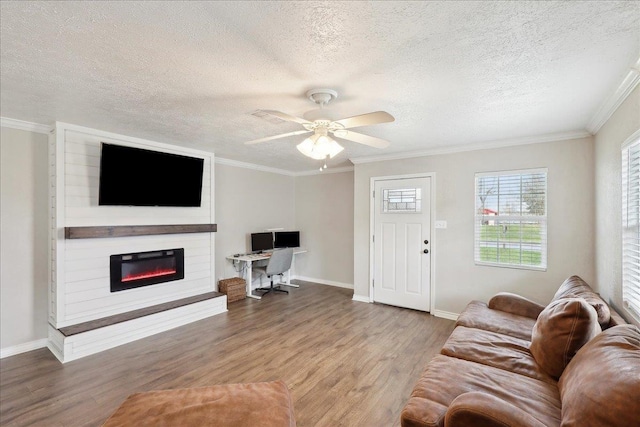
[
  {"x": 287, "y": 239},
  {"x": 137, "y": 177},
  {"x": 261, "y": 242}
]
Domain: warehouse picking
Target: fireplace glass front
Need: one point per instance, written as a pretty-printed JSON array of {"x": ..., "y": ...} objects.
[{"x": 134, "y": 270}]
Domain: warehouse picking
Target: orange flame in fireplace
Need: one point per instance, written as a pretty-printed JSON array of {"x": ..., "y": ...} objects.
[{"x": 155, "y": 273}]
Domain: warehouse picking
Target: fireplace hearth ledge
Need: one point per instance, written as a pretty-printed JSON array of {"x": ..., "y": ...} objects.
[{"x": 77, "y": 341}]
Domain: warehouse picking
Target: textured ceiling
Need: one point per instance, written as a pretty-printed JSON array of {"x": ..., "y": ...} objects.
[{"x": 190, "y": 73}]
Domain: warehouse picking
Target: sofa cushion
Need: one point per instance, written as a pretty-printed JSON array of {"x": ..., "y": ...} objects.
[
  {"x": 494, "y": 349},
  {"x": 575, "y": 287},
  {"x": 446, "y": 378},
  {"x": 227, "y": 405},
  {"x": 601, "y": 385},
  {"x": 515, "y": 304},
  {"x": 562, "y": 328},
  {"x": 478, "y": 315},
  {"x": 484, "y": 410}
]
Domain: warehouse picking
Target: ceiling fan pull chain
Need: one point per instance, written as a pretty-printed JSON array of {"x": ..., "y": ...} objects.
[{"x": 323, "y": 167}]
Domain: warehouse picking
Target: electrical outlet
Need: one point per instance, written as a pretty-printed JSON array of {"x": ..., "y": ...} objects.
[{"x": 441, "y": 224}]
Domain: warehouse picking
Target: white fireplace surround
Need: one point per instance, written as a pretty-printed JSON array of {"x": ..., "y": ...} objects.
[{"x": 79, "y": 288}]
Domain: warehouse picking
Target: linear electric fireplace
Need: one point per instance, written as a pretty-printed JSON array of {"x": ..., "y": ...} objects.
[{"x": 130, "y": 271}]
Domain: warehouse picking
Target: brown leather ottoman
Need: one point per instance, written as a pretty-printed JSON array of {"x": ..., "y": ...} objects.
[{"x": 227, "y": 405}]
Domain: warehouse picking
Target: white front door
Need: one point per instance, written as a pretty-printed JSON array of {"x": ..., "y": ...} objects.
[{"x": 402, "y": 235}]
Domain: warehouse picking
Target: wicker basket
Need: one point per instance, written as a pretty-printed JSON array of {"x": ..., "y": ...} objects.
[{"x": 234, "y": 288}]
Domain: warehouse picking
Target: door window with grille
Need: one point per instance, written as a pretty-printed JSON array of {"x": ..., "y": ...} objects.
[{"x": 401, "y": 200}]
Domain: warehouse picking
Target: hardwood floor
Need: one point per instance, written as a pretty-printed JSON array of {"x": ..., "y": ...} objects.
[{"x": 346, "y": 363}]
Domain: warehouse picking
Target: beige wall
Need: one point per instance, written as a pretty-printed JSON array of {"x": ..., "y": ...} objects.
[
  {"x": 458, "y": 279},
  {"x": 324, "y": 216},
  {"x": 23, "y": 237},
  {"x": 248, "y": 201},
  {"x": 608, "y": 196}
]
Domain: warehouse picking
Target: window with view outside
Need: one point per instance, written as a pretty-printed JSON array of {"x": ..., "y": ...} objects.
[{"x": 511, "y": 219}]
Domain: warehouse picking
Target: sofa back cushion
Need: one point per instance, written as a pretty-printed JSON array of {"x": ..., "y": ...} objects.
[
  {"x": 562, "y": 328},
  {"x": 575, "y": 287},
  {"x": 601, "y": 384}
]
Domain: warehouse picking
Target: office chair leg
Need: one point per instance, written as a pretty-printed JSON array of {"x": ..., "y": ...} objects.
[
  {"x": 280, "y": 290},
  {"x": 277, "y": 288},
  {"x": 263, "y": 290},
  {"x": 271, "y": 288}
]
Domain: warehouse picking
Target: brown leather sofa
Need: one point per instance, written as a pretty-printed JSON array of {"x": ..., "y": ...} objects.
[{"x": 513, "y": 362}]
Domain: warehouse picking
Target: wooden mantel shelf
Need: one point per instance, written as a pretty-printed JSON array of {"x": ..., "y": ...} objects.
[{"x": 135, "y": 230}]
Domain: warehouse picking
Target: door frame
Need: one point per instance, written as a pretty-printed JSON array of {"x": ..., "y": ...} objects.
[{"x": 432, "y": 209}]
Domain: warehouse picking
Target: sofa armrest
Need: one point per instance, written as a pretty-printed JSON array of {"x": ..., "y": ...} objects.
[
  {"x": 483, "y": 410},
  {"x": 515, "y": 304}
]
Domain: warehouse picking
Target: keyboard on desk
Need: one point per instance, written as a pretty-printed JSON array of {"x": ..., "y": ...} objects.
[{"x": 263, "y": 255}]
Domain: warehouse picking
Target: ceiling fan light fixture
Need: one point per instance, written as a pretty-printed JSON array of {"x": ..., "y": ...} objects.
[
  {"x": 306, "y": 147},
  {"x": 319, "y": 146},
  {"x": 334, "y": 148}
]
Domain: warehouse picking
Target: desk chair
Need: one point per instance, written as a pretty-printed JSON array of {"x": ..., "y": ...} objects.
[{"x": 279, "y": 262}]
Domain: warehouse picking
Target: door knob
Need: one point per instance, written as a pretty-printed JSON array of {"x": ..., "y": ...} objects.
[
  {"x": 426, "y": 251},
  {"x": 426, "y": 242}
]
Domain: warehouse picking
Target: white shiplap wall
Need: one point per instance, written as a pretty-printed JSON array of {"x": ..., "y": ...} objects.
[{"x": 80, "y": 289}]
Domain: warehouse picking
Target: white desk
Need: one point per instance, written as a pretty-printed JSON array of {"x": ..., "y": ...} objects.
[{"x": 248, "y": 260}]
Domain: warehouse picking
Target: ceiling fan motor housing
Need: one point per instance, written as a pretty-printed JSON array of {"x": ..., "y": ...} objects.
[{"x": 322, "y": 96}]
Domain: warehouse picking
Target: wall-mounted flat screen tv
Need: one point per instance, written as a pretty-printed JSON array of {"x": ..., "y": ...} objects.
[
  {"x": 136, "y": 177},
  {"x": 287, "y": 239}
]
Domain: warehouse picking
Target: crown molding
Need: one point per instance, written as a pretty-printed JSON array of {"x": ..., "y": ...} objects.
[
  {"x": 325, "y": 171},
  {"x": 253, "y": 166},
  {"x": 120, "y": 138},
  {"x": 245, "y": 165},
  {"x": 560, "y": 136},
  {"x": 611, "y": 103},
  {"x": 6, "y": 122}
]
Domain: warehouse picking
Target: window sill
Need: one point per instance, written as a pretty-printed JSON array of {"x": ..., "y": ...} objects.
[
  {"x": 631, "y": 314},
  {"x": 512, "y": 266}
]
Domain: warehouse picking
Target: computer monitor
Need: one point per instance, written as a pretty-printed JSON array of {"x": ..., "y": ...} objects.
[
  {"x": 261, "y": 241},
  {"x": 287, "y": 239}
]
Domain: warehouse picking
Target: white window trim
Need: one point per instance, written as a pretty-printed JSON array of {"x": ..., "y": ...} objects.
[
  {"x": 514, "y": 217},
  {"x": 632, "y": 310}
]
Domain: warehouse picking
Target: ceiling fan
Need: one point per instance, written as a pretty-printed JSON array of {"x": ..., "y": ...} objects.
[{"x": 320, "y": 145}]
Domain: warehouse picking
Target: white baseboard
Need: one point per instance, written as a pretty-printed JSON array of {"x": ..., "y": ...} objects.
[
  {"x": 445, "y": 314},
  {"x": 22, "y": 348},
  {"x": 361, "y": 298},
  {"x": 84, "y": 344},
  {"x": 324, "y": 282}
]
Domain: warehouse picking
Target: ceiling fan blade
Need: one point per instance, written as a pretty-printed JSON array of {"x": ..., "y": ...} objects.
[
  {"x": 283, "y": 135},
  {"x": 285, "y": 116},
  {"x": 371, "y": 141},
  {"x": 366, "y": 119}
]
